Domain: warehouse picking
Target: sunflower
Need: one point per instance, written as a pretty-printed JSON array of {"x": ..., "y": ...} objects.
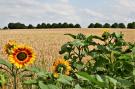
[
  {"x": 105, "y": 30},
  {"x": 61, "y": 66},
  {"x": 9, "y": 46},
  {"x": 21, "y": 56}
]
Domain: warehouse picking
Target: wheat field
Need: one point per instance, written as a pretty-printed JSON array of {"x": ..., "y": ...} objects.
[{"x": 47, "y": 42}]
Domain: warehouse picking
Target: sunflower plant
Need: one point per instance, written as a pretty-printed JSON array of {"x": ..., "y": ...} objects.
[
  {"x": 111, "y": 64},
  {"x": 19, "y": 56}
]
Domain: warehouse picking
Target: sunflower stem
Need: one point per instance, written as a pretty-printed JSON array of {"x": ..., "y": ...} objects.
[{"x": 14, "y": 76}]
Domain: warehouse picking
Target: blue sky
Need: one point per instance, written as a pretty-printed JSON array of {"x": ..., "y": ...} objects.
[{"x": 71, "y": 11}]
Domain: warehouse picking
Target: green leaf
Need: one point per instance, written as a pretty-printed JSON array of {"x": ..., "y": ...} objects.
[
  {"x": 86, "y": 76},
  {"x": 33, "y": 69},
  {"x": 78, "y": 43},
  {"x": 47, "y": 86},
  {"x": 42, "y": 85},
  {"x": 30, "y": 82},
  {"x": 3, "y": 62},
  {"x": 71, "y": 35},
  {"x": 112, "y": 80},
  {"x": 77, "y": 86},
  {"x": 124, "y": 83},
  {"x": 65, "y": 79},
  {"x": 99, "y": 78}
]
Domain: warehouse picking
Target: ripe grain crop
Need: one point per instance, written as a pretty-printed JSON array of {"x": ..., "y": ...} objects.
[{"x": 47, "y": 42}]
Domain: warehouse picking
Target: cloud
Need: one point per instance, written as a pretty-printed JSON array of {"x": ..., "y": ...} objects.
[{"x": 37, "y": 11}]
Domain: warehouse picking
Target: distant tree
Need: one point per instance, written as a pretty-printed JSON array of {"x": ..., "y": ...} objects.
[
  {"x": 65, "y": 25},
  {"x": 91, "y": 25},
  {"x": 106, "y": 25},
  {"x": 5, "y": 28},
  {"x": 131, "y": 25},
  {"x": 59, "y": 25},
  {"x": 39, "y": 26},
  {"x": 77, "y": 26},
  {"x": 98, "y": 25},
  {"x": 43, "y": 25},
  {"x": 115, "y": 25},
  {"x": 49, "y": 25},
  {"x": 30, "y": 26},
  {"x": 17, "y": 25},
  {"x": 54, "y": 25},
  {"x": 11, "y": 26},
  {"x": 122, "y": 25},
  {"x": 70, "y": 25}
]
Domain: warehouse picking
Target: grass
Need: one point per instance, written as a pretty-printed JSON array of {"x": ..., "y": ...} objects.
[{"x": 47, "y": 42}]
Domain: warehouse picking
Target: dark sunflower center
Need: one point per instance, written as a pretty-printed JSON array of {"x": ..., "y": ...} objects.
[
  {"x": 21, "y": 56},
  {"x": 61, "y": 68}
]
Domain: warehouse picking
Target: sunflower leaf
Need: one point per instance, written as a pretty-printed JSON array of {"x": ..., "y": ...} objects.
[
  {"x": 46, "y": 86},
  {"x": 5, "y": 63}
]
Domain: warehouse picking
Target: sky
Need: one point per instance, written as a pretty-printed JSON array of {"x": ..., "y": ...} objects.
[{"x": 82, "y": 12}]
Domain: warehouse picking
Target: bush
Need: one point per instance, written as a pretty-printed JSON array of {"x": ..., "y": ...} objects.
[
  {"x": 131, "y": 25},
  {"x": 115, "y": 25},
  {"x": 91, "y": 25},
  {"x": 98, "y": 25},
  {"x": 122, "y": 25},
  {"x": 106, "y": 25}
]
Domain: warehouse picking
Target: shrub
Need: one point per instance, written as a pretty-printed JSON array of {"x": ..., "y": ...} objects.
[
  {"x": 106, "y": 25},
  {"x": 91, "y": 25}
]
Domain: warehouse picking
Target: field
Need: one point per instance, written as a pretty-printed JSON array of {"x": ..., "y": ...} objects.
[{"x": 47, "y": 42}]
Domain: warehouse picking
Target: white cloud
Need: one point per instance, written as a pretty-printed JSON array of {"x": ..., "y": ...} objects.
[
  {"x": 37, "y": 11},
  {"x": 26, "y": 10}
]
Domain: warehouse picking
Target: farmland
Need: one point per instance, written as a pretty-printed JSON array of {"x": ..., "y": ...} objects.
[{"x": 47, "y": 42}]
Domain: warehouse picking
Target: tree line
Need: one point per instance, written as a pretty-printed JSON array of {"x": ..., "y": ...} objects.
[
  {"x": 19, "y": 25},
  {"x": 42, "y": 26}
]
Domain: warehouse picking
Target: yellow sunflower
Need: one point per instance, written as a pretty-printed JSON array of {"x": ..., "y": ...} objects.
[
  {"x": 9, "y": 46},
  {"x": 21, "y": 56},
  {"x": 105, "y": 30},
  {"x": 61, "y": 66}
]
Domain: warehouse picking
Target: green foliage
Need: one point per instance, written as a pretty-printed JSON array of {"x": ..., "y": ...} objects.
[
  {"x": 106, "y": 25},
  {"x": 122, "y": 25},
  {"x": 91, "y": 25},
  {"x": 115, "y": 25},
  {"x": 17, "y": 25},
  {"x": 98, "y": 25},
  {"x": 111, "y": 64},
  {"x": 131, "y": 25}
]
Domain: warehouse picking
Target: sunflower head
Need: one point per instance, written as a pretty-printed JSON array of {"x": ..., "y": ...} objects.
[
  {"x": 61, "y": 66},
  {"x": 105, "y": 30},
  {"x": 9, "y": 46},
  {"x": 21, "y": 56}
]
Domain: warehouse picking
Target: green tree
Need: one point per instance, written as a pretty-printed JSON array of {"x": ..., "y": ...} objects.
[
  {"x": 17, "y": 25},
  {"x": 43, "y": 25},
  {"x": 39, "y": 26},
  {"x": 77, "y": 26},
  {"x": 54, "y": 25},
  {"x": 91, "y": 25},
  {"x": 49, "y": 25},
  {"x": 115, "y": 25},
  {"x": 70, "y": 25},
  {"x": 30, "y": 26},
  {"x": 131, "y": 25},
  {"x": 122, "y": 25},
  {"x": 98, "y": 25},
  {"x": 106, "y": 25},
  {"x": 65, "y": 25},
  {"x": 5, "y": 28}
]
